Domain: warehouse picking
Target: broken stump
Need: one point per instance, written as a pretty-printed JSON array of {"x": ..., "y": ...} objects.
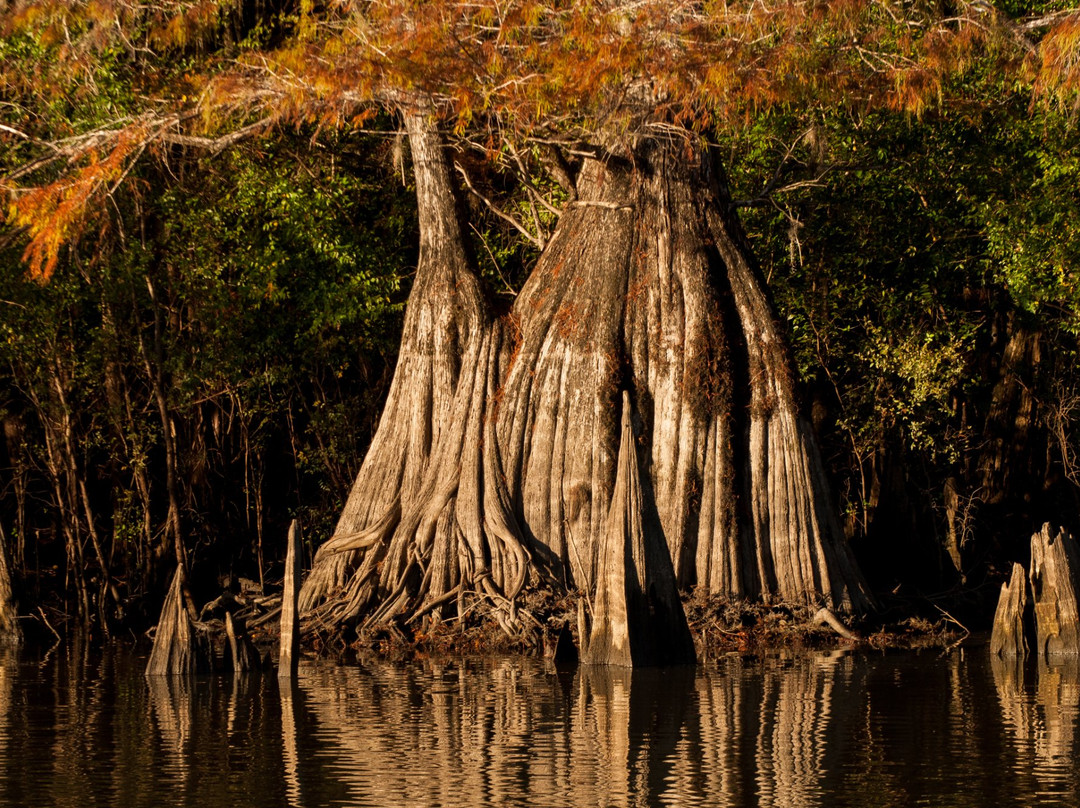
[
  {"x": 1055, "y": 562},
  {"x": 1009, "y": 638}
]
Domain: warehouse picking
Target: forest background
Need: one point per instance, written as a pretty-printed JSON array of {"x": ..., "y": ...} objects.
[{"x": 206, "y": 357}]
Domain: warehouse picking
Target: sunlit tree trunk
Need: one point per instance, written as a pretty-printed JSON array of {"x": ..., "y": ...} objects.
[{"x": 494, "y": 463}]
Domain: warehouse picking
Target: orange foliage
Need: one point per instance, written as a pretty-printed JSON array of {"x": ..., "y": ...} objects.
[
  {"x": 57, "y": 213},
  {"x": 607, "y": 64},
  {"x": 177, "y": 24},
  {"x": 1055, "y": 67},
  {"x": 552, "y": 68}
]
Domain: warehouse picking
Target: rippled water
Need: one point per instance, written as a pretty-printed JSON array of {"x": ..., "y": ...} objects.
[{"x": 84, "y": 729}]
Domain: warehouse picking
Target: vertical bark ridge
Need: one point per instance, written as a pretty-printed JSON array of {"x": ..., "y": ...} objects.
[
  {"x": 557, "y": 423},
  {"x": 679, "y": 354},
  {"x": 445, "y": 315},
  {"x": 638, "y": 619},
  {"x": 801, "y": 555}
]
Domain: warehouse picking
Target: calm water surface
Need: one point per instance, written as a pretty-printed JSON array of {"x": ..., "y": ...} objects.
[{"x": 86, "y": 729}]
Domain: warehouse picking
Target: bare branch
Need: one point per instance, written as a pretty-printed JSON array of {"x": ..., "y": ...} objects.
[
  {"x": 536, "y": 240},
  {"x": 215, "y": 145},
  {"x": 15, "y": 132},
  {"x": 590, "y": 203}
]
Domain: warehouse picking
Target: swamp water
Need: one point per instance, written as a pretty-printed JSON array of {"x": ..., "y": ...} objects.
[{"x": 787, "y": 730}]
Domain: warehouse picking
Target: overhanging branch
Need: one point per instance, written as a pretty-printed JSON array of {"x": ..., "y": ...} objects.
[{"x": 537, "y": 240}]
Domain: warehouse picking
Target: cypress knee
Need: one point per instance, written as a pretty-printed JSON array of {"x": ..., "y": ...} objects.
[
  {"x": 638, "y": 619},
  {"x": 179, "y": 647}
]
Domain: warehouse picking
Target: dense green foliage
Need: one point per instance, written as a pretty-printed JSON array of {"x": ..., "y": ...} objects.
[
  {"x": 263, "y": 294},
  {"x": 907, "y": 255}
]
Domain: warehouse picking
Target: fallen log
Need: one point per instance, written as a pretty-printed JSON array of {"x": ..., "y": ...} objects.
[
  {"x": 1009, "y": 637},
  {"x": 1055, "y": 562},
  {"x": 638, "y": 619},
  {"x": 179, "y": 647}
]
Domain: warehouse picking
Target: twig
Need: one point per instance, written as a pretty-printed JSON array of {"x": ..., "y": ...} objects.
[
  {"x": 952, "y": 619},
  {"x": 491, "y": 255},
  {"x": 537, "y": 241},
  {"x": 48, "y": 625}
]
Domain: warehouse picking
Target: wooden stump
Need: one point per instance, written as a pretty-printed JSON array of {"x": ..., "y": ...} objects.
[
  {"x": 179, "y": 648},
  {"x": 290, "y": 627},
  {"x": 1009, "y": 639},
  {"x": 1055, "y": 562},
  {"x": 638, "y": 619},
  {"x": 242, "y": 651},
  {"x": 9, "y": 624}
]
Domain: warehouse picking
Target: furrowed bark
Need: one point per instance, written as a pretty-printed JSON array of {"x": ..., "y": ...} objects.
[
  {"x": 799, "y": 548},
  {"x": 428, "y": 516},
  {"x": 638, "y": 619},
  {"x": 494, "y": 465},
  {"x": 557, "y": 417},
  {"x": 656, "y": 237}
]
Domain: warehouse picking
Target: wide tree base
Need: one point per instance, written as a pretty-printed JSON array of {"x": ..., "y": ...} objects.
[{"x": 494, "y": 468}]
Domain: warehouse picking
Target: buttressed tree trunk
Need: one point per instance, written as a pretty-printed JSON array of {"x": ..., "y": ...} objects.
[{"x": 494, "y": 464}]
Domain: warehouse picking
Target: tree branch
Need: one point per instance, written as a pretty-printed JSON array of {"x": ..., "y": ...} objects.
[
  {"x": 537, "y": 240},
  {"x": 215, "y": 145}
]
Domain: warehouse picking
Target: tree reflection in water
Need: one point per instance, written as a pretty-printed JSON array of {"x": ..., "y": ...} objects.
[
  {"x": 1040, "y": 701},
  {"x": 85, "y": 729},
  {"x": 598, "y": 736}
]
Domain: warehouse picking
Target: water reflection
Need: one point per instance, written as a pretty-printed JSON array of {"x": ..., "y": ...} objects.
[
  {"x": 1039, "y": 704},
  {"x": 789, "y": 730}
]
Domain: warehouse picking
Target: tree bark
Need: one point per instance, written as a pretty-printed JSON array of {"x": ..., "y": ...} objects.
[
  {"x": 1055, "y": 565},
  {"x": 428, "y": 516},
  {"x": 799, "y": 549},
  {"x": 9, "y": 624},
  {"x": 638, "y": 619},
  {"x": 494, "y": 465},
  {"x": 1009, "y": 638}
]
